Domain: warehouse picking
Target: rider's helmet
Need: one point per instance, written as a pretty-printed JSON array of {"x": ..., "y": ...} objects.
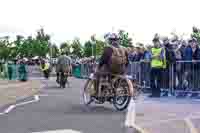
[
  {"x": 113, "y": 38},
  {"x": 63, "y": 53}
]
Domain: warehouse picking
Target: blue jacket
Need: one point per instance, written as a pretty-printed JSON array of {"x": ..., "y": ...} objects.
[
  {"x": 147, "y": 55},
  {"x": 187, "y": 53}
]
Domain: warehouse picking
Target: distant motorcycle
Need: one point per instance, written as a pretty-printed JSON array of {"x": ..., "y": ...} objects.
[
  {"x": 63, "y": 79},
  {"x": 116, "y": 90}
]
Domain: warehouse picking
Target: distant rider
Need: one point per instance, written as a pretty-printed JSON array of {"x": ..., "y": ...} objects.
[
  {"x": 45, "y": 67},
  {"x": 63, "y": 65}
]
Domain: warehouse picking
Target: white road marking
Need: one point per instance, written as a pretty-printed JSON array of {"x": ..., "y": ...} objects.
[
  {"x": 1, "y": 113},
  {"x": 60, "y": 131},
  {"x": 130, "y": 115},
  {"x": 141, "y": 130},
  {"x": 191, "y": 126},
  {"x": 37, "y": 98},
  {"x": 11, "y": 107},
  {"x": 24, "y": 103}
]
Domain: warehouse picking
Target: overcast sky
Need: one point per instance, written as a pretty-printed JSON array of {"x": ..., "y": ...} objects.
[{"x": 65, "y": 19}]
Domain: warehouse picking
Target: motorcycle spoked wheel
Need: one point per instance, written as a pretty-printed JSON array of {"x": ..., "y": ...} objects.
[
  {"x": 63, "y": 81},
  {"x": 87, "y": 99},
  {"x": 121, "y": 102}
]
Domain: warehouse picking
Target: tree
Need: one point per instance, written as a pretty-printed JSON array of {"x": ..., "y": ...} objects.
[
  {"x": 196, "y": 34},
  {"x": 4, "y": 50},
  {"x": 77, "y": 48},
  {"x": 54, "y": 51},
  {"x": 100, "y": 45},
  {"x": 87, "y": 49},
  {"x": 65, "y": 47},
  {"x": 94, "y": 47},
  {"x": 41, "y": 43},
  {"x": 125, "y": 40}
]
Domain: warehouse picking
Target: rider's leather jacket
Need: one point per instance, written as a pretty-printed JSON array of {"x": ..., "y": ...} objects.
[{"x": 106, "y": 57}]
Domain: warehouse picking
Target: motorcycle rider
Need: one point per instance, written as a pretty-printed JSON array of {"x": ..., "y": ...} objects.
[
  {"x": 113, "y": 61},
  {"x": 45, "y": 67},
  {"x": 63, "y": 65}
]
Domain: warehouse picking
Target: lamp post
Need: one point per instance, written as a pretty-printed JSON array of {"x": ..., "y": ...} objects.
[{"x": 93, "y": 43}]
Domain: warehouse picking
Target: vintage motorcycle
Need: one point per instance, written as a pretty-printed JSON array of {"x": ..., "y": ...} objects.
[{"x": 115, "y": 89}]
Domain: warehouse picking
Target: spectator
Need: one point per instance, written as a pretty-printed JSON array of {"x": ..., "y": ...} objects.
[
  {"x": 144, "y": 65},
  {"x": 156, "y": 67},
  {"x": 139, "y": 52},
  {"x": 167, "y": 63},
  {"x": 182, "y": 48},
  {"x": 195, "y": 65},
  {"x": 187, "y": 65},
  {"x": 178, "y": 71},
  {"x": 132, "y": 55},
  {"x": 1, "y": 70},
  {"x": 188, "y": 52},
  {"x": 144, "y": 54},
  {"x": 22, "y": 71},
  {"x": 10, "y": 70}
]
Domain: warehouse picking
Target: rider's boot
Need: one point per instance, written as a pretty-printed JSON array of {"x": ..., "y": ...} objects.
[{"x": 57, "y": 78}]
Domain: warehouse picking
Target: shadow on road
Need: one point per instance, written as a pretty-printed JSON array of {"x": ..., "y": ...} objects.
[{"x": 92, "y": 110}]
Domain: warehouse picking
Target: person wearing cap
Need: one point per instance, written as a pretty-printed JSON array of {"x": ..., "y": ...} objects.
[{"x": 157, "y": 59}]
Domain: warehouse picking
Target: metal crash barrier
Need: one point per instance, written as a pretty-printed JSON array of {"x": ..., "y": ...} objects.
[
  {"x": 14, "y": 72},
  {"x": 186, "y": 77},
  {"x": 180, "y": 77}
]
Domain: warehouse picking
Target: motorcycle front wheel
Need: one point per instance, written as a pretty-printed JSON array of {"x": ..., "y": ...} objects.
[{"x": 87, "y": 99}]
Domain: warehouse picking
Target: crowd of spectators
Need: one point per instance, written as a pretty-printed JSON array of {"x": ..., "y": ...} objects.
[{"x": 182, "y": 58}]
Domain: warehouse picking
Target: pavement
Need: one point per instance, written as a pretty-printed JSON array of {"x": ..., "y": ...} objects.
[
  {"x": 57, "y": 110},
  {"x": 11, "y": 91}
]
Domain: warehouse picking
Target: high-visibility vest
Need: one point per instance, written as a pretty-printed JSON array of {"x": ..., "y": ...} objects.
[
  {"x": 156, "y": 63},
  {"x": 46, "y": 67}
]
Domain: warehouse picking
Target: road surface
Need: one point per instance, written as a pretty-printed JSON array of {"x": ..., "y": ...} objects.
[{"x": 62, "y": 111}]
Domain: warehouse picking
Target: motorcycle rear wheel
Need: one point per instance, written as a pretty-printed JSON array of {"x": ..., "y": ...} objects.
[{"x": 121, "y": 102}]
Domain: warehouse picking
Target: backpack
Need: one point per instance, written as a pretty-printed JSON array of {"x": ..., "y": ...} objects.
[{"x": 118, "y": 60}]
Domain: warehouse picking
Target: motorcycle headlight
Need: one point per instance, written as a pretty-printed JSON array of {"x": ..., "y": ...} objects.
[
  {"x": 91, "y": 76},
  {"x": 129, "y": 76}
]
